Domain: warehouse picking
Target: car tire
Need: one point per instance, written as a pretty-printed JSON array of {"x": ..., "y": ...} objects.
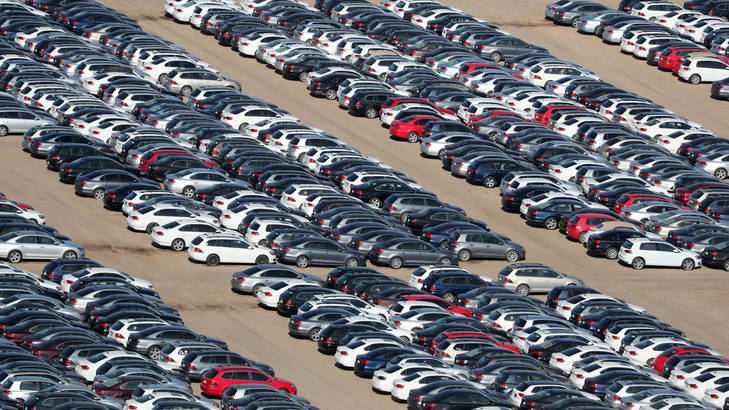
[
  {"x": 3, "y": 131},
  {"x": 725, "y": 265},
  {"x": 376, "y": 202},
  {"x": 351, "y": 262},
  {"x": 331, "y": 94},
  {"x": 523, "y": 290},
  {"x": 188, "y": 191},
  {"x": 315, "y": 334},
  {"x": 69, "y": 255},
  {"x": 262, "y": 242},
  {"x": 99, "y": 194},
  {"x": 284, "y": 390},
  {"x": 489, "y": 182},
  {"x": 154, "y": 353},
  {"x": 611, "y": 253},
  {"x": 495, "y": 56},
  {"x": 638, "y": 263},
  {"x": 396, "y": 263},
  {"x": 694, "y": 79},
  {"x": 413, "y": 137},
  {"x": 464, "y": 255},
  {"x": 720, "y": 173},
  {"x": 443, "y": 244},
  {"x": 406, "y": 339},
  {"x": 186, "y": 90},
  {"x": 262, "y": 260},
  {"x": 15, "y": 256},
  {"x": 212, "y": 260},
  {"x": 445, "y": 261},
  {"x": 448, "y": 296},
  {"x": 582, "y": 237},
  {"x": 512, "y": 255},
  {"x": 575, "y": 21},
  {"x": 371, "y": 113},
  {"x": 688, "y": 264},
  {"x": 151, "y": 226},
  {"x": 551, "y": 223},
  {"x": 256, "y": 288},
  {"x": 303, "y": 77},
  {"x": 404, "y": 217},
  {"x": 161, "y": 79},
  {"x": 178, "y": 245},
  {"x": 302, "y": 262}
]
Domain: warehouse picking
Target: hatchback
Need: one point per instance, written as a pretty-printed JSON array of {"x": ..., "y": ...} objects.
[
  {"x": 218, "y": 248},
  {"x": 642, "y": 252},
  {"x": 216, "y": 380}
]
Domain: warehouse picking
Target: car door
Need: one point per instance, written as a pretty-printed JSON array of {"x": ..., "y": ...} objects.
[
  {"x": 409, "y": 252},
  {"x": 48, "y": 247},
  {"x": 495, "y": 246},
  {"x": 317, "y": 253},
  {"x": 13, "y": 121},
  {"x": 27, "y": 246},
  {"x": 478, "y": 245},
  {"x": 331, "y": 253},
  {"x": 669, "y": 255},
  {"x": 649, "y": 252},
  {"x": 244, "y": 253}
]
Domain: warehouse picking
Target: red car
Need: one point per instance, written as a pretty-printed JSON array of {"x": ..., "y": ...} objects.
[
  {"x": 629, "y": 200},
  {"x": 220, "y": 378},
  {"x": 660, "y": 361},
  {"x": 469, "y": 334},
  {"x": 674, "y": 55},
  {"x": 411, "y": 128},
  {"x": 122, "y": 387},
  {"x": 467, "y": 68},
  {"x": 683, "y": 194},
  {"x": 440, "y": 302},
  {"x": 543, "y": 114},
  {"x": 580, "y": 224}
]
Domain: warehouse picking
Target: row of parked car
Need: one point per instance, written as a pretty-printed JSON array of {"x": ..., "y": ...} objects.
[
  {"x": 449, "y": 339},
  {"x": 692, "y": 41},
  {"x": 533, "y": 120}
]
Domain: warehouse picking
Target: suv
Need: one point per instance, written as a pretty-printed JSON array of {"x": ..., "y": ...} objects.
[{"x": 527, "y": 278}]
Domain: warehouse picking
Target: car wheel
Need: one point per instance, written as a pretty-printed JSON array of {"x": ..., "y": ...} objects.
[
  {"x": 256, "y": 288},
  {"x": 582, "y": 237},
  {"x": 3, "y": 130},
  {"x": 405, "y": 338},
  {"x": 489, "y": 182},
  {"x": 154, "y": 352},
  {"x": 551, "y": 223},
  {"x": 302, "y": 262},
  {"x": 413, "y": 137},
  {"x": 688, "y": 264},
  {"x": 331, "y": 94},
  {"x": 443, "y": 244},
  {"x": 351, "y": 262},
  {"x": 638, "y": 263},
  {"x": 523, "y": 290},
  {"x": 161, "y": 79},
  {"x": 441, "y": 154},
  {"x": 177, "y": 245},
  {"x": 396, "y": 263},
  {"x": 262, "y": 242},
  {"x": 284, "y": 390},
  {"x": 512, "y": 256},
  {"x": 303, "y": 77},
  {"x": 98, "y": 194},
  {"x": 371, "y": 113},
  {"x": 575, "y": 21},
  {"x": 186, "y": 90},
  {"x": 496, "y": 56},
  {"x": 450, "y": 297},
  {"x": 695, "y": 79},
  {"x": 611, "y": 253},
  {"x": 376, "y": 202},
  {"x": 314, "y": 334},
  {"x": 243, "y": 126},
  {"x": 151, "y": 226},
  {"x": 464, "y": 255},
  {"x": 261, "y": 260},
  {"x": 726, "y": 265},
  {"x": 69, "y": 255},
  {"x": 188, "y": 191},
  {"x": 720, "y": 173},
  {"x": 652, "y": 19},
  {"x": 445, "y": 261},
  {"x": 404, "y": 217},
  {"x": 212, "y": 260},
  {"x": 15, "y": 256}
]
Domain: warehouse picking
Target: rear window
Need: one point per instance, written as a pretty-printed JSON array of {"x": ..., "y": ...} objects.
[
  {"x": 628, "y": 244},
  {"x": 146, "y": 210},
  {"x": 197, "y": 241},
  {"x": 210, "y": 373},
  {"x": 170, "y": 225}
]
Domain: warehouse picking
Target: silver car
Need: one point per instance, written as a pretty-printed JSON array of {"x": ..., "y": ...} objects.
[
  {"x": 96, "y": 183},
  {"x": 185, "y": 80},
  {"x": 19, "y": 120},
  {"x": 189, "y": 181},
  {"x": 252, "y": 279},
  {"x": 528, "y": 278},
  {"x": 20, "y": 245},
  {"x": 310, "y": 324}
]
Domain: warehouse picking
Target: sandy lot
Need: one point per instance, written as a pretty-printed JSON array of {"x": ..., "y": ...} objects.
[{"x": 693, "y": 301}]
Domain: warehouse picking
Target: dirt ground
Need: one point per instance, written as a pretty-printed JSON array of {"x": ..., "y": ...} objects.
[{"x": 693, "y": 301}]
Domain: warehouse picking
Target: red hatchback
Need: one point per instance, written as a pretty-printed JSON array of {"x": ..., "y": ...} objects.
[
  {"x": 660, "y": 361},
  {"x": 580, "y": 224},
  {"x": 218, "y": 379},
  {"x": 440, "y": 302},
  {"x": 411, "y": 128},
  {"x": 543, "y": 114},
  {"x": 674, "y": 55},
  {"x": 629, "y": 200}
]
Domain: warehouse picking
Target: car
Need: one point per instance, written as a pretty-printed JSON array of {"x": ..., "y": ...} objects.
[
  {"x": 178, "y": 234},
  {"x": 526, "y": 278},
  {"x": 696, "y": 70},
  {"x": 642, "y": 252},
  {"x": 307, "y": 251},
  {"x": 400, "y": 252},
  {"x": 19, "y": 120},
  {"x": 215, "y": 248},
  {"x": 21, "y": 245},
  {"x": 96, "y": 183},
  {"x": 147, "y": 218},
  {"x": 213, "y": 383},
  {"x": 185, "y": 80},
  {"x": 253, "y": 279},
  {"x": 189, "y": 181},
  {"x": 468, "y": 244},
  {"x": 607, "y": 243}
]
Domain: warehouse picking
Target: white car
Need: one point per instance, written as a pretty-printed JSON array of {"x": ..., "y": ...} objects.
[
  {"x": 711, "y": 380},
  {"x": 295, "y": 195},
  {"x": 122, "y": 329},
  {"x": 172, "y": 353},
  {"x": 402, "y": 387},
  {"x": 563, "y": 361},
  {"x": 248, "y": 46},
  {"x": 580, "y": 376},
  {"x": 716, "y": 396},
  {"x": 137, "y": 197},
  {"x": 8, "y": 207},
  {"x": 418, "y": 319},
  {"x": 697, "y": 70},
  {"x": 419, "y": 275},
  {"x": 87, "y": 367},
  {"x": 147, "y": 218},
  {"x": 149, "y": 401},
  {"x": 346, "y": 356},
  {"x": 268, "y": 295},
  {"x": 565, "y": 306},
  {"x": 647, "y": 350},
  {"x": 227, "y": 248},
  {"x": 70, "y": 278},
  {"x": 678, "y": 376},
  {"x": 384, "y": 378},
  {"x": 642, "y": 252},
  {"x": 177, "y": 235}
]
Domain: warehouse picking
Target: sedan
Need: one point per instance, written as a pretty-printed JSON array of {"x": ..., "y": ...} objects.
[
  {"x": 178, "y": 234},
  {"x": 189, "y": 181},
  {"x": 150, "y": 217},
  {"x": 255, "y": 278},
  {"x": 96, "y": 183},
  {"x": 307, "y": 251},
  {"x": 469, "y": 244},
  {"x": 410, "y": 252},
  {"x": 17, "y": 246}
]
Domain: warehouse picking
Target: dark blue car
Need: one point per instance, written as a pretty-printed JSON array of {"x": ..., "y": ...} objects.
[
  {"x": 449, "y": 284},
  {"x": 490, "y": 172},
  {"x": 55, "y": 269},
  {"x": 551, "y": 212},
  {"x": 367, "y": 364}
]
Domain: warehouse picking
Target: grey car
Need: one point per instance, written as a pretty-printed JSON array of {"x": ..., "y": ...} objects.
[
  {"x": 189, "y": 181},
  {"x": 410, "y": 252},
  {"x": 96, "y": 183},
  {"x": 501, "y": 47},
  {"x": 318, "y": 251},
  {"x": 363, "y": 243},
  {"x": 20, "y": 245},
  {"x": 184, "y": 80},
  {"x": 195, "y": 364},
  {"x": 252, "y": 279},
  {"x": 151, "y": 341},
  {"x": 309, "y": 324},
  {"x": 402, "y": 205},
  {"x": 525, "y": 278},
  {"x": 19, "y": 120},
  {"x": 570, "y": 14},
  {"x": 476, "y": 243}
]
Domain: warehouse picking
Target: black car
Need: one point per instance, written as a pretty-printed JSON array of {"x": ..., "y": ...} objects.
[
  {"x": 565, "y": 292},
  {"x": 512, "y": 202},
  {"x": 332, "y": 334},
  {"x": 70, "y": 170},
  {"x": 368, "y": 103},
  {"x": 55, "y": 269},
  {"x": 420, "y": 221},
  {"x": 608, "y": 243},
  {"x": 326, "y": 85},
  {"x": 376, "y": 191},
  {"x": 68, "y": 152},
  {"x": 461, "y": 398},
  {"x": 292, "y": 299},
  {"x": 716, "y": 256},
  {"x": 171, "y": 164},
  {"x": 114, "y": 197}
]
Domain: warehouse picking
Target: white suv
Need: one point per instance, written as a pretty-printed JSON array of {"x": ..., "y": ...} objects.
[{"x": 227, "y": 248}]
